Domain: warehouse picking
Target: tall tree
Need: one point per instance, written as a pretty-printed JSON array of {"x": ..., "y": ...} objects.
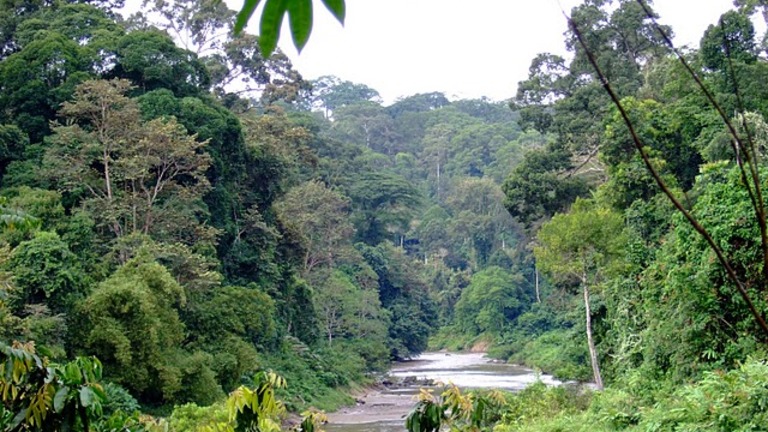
[
  {"x": 491, "y": 302},
  {"x": 133, "y": 176},
  {"x": 319, "y": 216},
  {"x": 480, "y": 219},
  {"x": 330, "y": 93},
  {"x": 732, "y": 39},
  {"x": 542, "y": 185},
  {"x": 234, "y": 62},
  {"x": 585, "y": 244},
  {"x": 383, "y": 206}
]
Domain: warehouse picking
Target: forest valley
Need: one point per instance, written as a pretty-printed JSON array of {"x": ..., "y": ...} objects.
[{"x": 196, "y": 238}]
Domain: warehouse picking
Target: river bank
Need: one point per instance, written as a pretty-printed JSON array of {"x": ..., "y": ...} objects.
[{"x": 383, "y": 408}]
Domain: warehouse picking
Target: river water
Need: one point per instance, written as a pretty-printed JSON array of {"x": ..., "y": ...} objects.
[{"x": 384, "y": 410}]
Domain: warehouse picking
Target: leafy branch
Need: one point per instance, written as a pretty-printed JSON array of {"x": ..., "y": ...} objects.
[{"x": 299, "y": 17}]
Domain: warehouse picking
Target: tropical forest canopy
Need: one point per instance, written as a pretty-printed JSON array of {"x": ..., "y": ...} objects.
[{"x": 180, "y": 214}]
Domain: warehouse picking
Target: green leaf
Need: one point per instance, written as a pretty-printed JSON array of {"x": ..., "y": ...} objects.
[
  {"x": 72, "y": 373},
  {"x": 300, "y": 17},
  {"x": 245, "y": 14},
  {"x": 60, "y": 399},
  {"x": 99, "y": 392},
  {"x": 20, "y": 416},
  {"x": 9, "y": 369},
  {"x": 86, "y": 396},
  {"x": 337, "y": 8},
  {"x": 271, "y": 21}
]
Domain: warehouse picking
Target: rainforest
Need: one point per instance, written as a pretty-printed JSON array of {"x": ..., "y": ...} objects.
[{"x": 195, "y": 237}]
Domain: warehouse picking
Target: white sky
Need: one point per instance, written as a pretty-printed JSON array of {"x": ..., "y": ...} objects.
[{"x": 464, "y": 48}]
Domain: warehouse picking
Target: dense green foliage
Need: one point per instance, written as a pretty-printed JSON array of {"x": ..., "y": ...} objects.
[
  {"x": 673, "y": 308},
  {"x": 675, "y": 340},
  {"x": 192, "y": 233}
]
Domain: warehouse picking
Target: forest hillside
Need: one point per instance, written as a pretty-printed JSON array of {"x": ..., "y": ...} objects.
[{"x": 186, "y": 226}]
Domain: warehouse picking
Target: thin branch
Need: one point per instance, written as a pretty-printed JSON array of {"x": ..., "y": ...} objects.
[
  {"x": 736, "y": 142},
  {"x": 657, "y": 177},
  {"x": 576, "y": 169},
  {"x": 752, "y": 159},
  {"x": 756, "y": 196}
]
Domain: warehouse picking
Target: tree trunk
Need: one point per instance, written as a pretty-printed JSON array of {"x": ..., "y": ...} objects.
[
  {"x": 592, "y": 350},
  {"x": 536, "y": 275},
  {"x": 765, "y": 14}
]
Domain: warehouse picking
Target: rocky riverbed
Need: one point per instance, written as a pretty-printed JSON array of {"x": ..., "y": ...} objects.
[{"x": 384, "y": 408}]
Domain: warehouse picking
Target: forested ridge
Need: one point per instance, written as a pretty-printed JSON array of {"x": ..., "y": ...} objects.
[
  {"x": 187, "y": 225},
  {"x": 190, "y": 214}
]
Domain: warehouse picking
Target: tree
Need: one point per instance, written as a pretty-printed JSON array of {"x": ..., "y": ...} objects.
[
  {"x": 198, "y": 25},
  {"x": 38, "y": 79},
  {"x": 12, "y": 144},
  {"x": 46, "y": 272},
  {"x": 383, "y": 205},
  {"x": 320, "y": 218},
  {"x": 132, "y": 324},
  {"x": 480, "y": 219},
  {"x": 330, "y": 93},
  {"x": 234, "y": 62},
  {"x": 491, "y": 302},
  {"x": 744, "y": 152},
  {"x": 541, "y": 185},
  {"x": 549, "y": 80},
  {"x": 366, "y": 123},
  {"x": 732, "y": 39},
  {"x": 434, "y": 156},
  {"x": 404, "y": 294},
  {"x": 751, "y": 6},
  {"x": 134, "y": 177},
  {"x": 586, "y": 244},
  {"x": 151, "y": 60}
]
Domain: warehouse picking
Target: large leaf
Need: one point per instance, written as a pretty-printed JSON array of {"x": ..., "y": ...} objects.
[
  {"x": 300, "y": 14},
  {"x": 245, "y": 14},
  {"x": 271, "y": 21},
  {"x": 60, "y": 399},
  {"x": 86, "y": 396},
  {"x": 300, "y": 17},
  {"x": 20, "y": 416},
  {"x": 337, "y": 8},
  {"x": 72, "y": 373}
]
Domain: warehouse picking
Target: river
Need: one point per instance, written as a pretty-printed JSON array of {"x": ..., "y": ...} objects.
[{"x": 384, "y": 410}]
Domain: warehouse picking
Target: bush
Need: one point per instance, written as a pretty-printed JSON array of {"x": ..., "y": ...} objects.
[
  {"x": 118, "y": 399},
  {"x": 190, "y": 417},
  {"x": 540, "y": 404},
  {"x": 736, "y": 400},
  {"x": 563, "y": 353},
  {"x": 720, "y": 401}
]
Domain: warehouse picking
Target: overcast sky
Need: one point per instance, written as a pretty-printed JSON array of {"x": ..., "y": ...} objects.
[{"x": 463, "y": 48}]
